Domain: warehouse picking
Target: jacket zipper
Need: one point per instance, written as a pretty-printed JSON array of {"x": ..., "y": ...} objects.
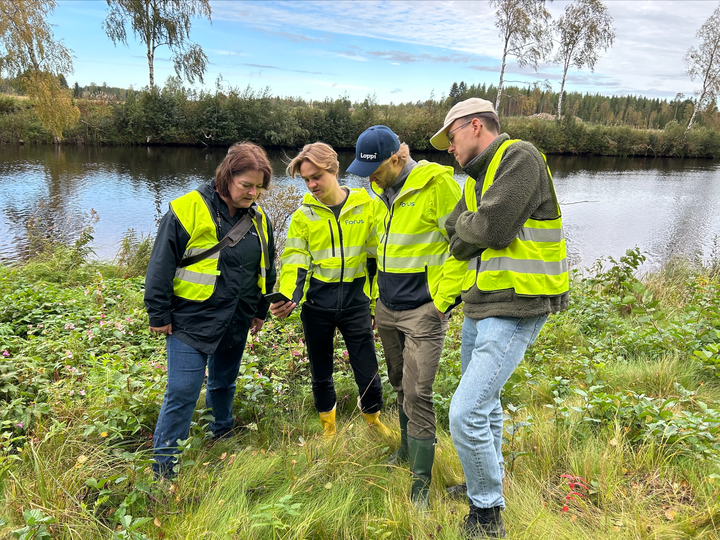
[
  {"x": 218, "y": 226},
  {"x": 342, "y": 265},
  {"x": 387, "y": 231},
  {"x": 332, "y": 238}
]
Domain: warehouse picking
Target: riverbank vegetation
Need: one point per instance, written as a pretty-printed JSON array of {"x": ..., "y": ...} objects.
[
  {"x": 597, "y": 125},
  {"x": 612, "y": 421}
]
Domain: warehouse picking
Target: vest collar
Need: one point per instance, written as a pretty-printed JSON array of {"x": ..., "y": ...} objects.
[
  {"x": 479, "y": 164},
  {"x": 356, "y": 197}
]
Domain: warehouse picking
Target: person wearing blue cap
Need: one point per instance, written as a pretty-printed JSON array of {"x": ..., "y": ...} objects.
[{"x": 417, "y": 282}]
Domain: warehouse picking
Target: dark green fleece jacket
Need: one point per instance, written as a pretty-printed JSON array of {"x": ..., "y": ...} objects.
[{"x": 521, "y": 190}]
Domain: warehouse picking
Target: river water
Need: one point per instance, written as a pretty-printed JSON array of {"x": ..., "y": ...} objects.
[{"x": 665, "y": 207}]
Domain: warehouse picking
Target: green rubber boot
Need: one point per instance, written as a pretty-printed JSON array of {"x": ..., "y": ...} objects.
[
  {"x": 422, "y": 455},
  {"x": 400, "y": 456}
]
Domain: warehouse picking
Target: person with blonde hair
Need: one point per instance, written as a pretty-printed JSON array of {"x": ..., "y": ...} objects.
[{"x": 328, "y": 264}]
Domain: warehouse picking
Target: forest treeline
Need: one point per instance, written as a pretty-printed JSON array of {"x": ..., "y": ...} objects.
[{"x": 175, "y": 115}]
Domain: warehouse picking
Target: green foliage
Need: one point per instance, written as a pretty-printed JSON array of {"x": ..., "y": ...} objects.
[
  {"x": 161, "y": 24},
  {"x": 621, "y": 389},
  {"x": 596, "y": 125},
  {"x": 132, "y": 258},
  {"x": 35, "y": 528}
]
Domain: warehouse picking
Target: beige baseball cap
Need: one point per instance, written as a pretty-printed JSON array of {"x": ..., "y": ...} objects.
[{"x": 464, "y": 108}]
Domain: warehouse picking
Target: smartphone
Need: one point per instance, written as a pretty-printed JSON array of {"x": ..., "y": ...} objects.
[{"x": 275, "y": 297}]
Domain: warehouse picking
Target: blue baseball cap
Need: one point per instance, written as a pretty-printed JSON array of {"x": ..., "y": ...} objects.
[{"x": 375, "y": 145}]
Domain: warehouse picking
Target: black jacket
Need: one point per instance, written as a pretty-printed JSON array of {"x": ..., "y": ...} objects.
[{"x": 223, "y": 320}]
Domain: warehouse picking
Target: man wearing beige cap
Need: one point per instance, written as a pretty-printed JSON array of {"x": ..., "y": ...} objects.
[{"x": 508, "y": 226}]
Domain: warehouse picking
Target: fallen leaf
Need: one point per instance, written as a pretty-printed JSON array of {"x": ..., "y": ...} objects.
[
  {"x": 157, "y": 523},
  {"x": 223, "y": 455}
]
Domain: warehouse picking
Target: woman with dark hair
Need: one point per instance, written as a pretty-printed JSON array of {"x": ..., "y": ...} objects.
[{"x": 204, "y": 300}]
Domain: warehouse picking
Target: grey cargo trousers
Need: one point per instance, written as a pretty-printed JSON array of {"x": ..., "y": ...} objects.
[{"x": 413, "y": 341}]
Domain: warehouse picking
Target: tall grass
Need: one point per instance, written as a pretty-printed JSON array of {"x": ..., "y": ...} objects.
[{"x": 611, "y": 393}]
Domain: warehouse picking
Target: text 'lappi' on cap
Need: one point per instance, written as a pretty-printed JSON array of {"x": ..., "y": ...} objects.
[{"x": 375, "y": 145}]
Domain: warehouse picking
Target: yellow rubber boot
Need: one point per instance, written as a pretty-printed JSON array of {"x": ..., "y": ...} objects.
[
  {"x": 328, "y": 422},
  {"x": 373, "y": 420}
]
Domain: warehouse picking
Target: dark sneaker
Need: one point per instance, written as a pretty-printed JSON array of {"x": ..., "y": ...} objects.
[
  {"x": 458, "y": 492},
  {"x": 164, "y": 472},
  {"x": 237, "y": 429},
  {"x": 483, "y": 523}
]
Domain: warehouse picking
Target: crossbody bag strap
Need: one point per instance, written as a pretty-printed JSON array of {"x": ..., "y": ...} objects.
[{"x": 237, "y": 233}]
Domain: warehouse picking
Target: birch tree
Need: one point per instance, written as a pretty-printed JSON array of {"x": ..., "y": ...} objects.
[
  {"x": 526, "y": 35},
  {"x": 29, "y": 51},
  {"x": 704, "y": 63},
  {"x": 583, "y": 32},
  {"x": 161, "y": 23}
]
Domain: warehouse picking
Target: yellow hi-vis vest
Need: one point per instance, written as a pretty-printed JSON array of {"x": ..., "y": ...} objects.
[
  {"x": 330, "y": 250},
  {"x": 535, "y": 262},
  {"x": 197, "y": 281},
  {"x": 411, "y": 233}
]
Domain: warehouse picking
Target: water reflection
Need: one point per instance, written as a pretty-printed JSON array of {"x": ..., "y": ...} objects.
[
  {"x": 614, "y": 204},
  {"x": 664, "y": 206}
]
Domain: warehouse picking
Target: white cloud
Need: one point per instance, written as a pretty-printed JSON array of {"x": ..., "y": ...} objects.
[
  {"x": 227, "y": 53},
  {"x": 420, "y": 23},
  {"x": 652, "y": 36},
  {"x": 350, "y": 56}
]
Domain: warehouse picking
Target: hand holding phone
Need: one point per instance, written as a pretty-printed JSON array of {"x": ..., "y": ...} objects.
[
  {"x": 275, "y": 297},
  {"x": 280, "y": 305}
]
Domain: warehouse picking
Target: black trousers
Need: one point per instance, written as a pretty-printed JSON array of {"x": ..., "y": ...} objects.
[{"x": 355, "y": 325}]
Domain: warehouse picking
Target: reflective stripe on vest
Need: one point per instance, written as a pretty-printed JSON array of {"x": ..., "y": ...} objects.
[
  {"x": 337, "y": 245},
  {"x": 197, "y": 281},
  {"x": 420, "y": 243},
  {"x": 327, "y": 248},
  {"x": 535, "y": 262}
]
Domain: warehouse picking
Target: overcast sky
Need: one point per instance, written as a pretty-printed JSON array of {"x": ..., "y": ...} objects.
[{"x": 398, "y": 51}]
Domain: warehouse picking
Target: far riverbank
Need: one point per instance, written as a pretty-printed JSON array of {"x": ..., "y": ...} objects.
[{"x": 174, "y": 119}]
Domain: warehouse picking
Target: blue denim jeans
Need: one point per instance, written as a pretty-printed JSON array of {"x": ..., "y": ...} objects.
[
  {"x": 491, "y": 350},
  {"x": 185, "y": 376}
]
